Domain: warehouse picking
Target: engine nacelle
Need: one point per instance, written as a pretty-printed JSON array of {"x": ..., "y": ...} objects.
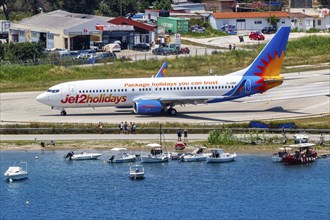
[{"x": 147, "y": 106}]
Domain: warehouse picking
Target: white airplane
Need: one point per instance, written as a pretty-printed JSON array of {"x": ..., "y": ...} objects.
[{"x": 159, "y": 93}]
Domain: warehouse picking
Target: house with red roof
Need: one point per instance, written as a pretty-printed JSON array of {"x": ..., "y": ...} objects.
[{"x": 250, "y": 21}]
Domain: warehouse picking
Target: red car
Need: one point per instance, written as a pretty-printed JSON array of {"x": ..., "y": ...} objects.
[{"x": 256, "y": 36}]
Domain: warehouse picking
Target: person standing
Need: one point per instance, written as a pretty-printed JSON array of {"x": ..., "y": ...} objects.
[
  {"x": 125, "y": 128},
  {"x": 121, "y": 127},
  {"x": 100, "y": 128},
  {"x": 185, "y": 136},
  {"x": 134, "y": 128},
  {"x": 179, "y": 133}
]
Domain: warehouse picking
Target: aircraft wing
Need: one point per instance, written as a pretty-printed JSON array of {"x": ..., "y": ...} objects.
[{"x": 178, "y": 100}]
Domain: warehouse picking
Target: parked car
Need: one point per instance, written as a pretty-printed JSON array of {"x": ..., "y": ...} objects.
[
  {"x": 106, "y": 55},
  {"x": 141, "y": 47},
  {"x": 269, "y": 30},
  {"x": 160, "y": 51},
  {"x": 97, "y": 46},
  {"x": 256, "y": 36},
  {"x": 85, "y": 56},
  {"x": 171, "y": 49},
  {"x": 184, "y": 50},
  {"x": 113, "y": 47}
]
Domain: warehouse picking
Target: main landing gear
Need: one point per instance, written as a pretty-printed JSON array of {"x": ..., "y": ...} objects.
[
  {"x": 63, "y": 112},
  {"x": 171, "y": 111}
]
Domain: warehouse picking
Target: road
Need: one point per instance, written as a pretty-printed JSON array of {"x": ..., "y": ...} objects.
[{"x": 302, "y": 94}]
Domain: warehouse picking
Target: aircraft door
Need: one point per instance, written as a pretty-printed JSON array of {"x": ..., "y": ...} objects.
[
  {"x": 69, "y": 91},
  {"x": 72, "y": 90},
  {"x": 248, "y": 86}
]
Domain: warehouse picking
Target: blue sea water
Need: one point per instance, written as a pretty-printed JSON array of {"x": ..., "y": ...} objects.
[{"x": 252, "y": 187}]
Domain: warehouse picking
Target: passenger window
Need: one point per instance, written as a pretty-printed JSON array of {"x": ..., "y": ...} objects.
[
  {"x": 132, "y": 90},
  {"x": 93, "y": 91}
]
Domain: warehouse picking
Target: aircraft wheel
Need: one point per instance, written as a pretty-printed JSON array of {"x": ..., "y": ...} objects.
[
  {"x": 172, "y": 111},
  {"x": 63, "y": 113}
]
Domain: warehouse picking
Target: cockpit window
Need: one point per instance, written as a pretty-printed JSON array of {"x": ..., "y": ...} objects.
[{"x": 53, "y": 90}]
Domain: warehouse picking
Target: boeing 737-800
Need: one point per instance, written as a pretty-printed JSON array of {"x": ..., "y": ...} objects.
[{"x": 156, "y": 94}]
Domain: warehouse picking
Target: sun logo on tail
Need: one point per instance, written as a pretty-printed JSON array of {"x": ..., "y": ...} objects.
[{"x": 270, "y": 72}]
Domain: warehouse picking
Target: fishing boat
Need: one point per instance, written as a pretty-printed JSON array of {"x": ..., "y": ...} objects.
[
  {"x": 82, "y": 156},
  {"x": 120, "y": 155},
  {"x": 304, "y": 154},
  {"x": 17, "y": 172},
  {"x": 156, "y": 155},
  {"x": 196, "y": 156},
  {"x": 283, "y": 152},
  {"x": 219, "y": 156},
  {"x": 136, "y": 171}
]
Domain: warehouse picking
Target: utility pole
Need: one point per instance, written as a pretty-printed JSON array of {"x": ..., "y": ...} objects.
[
  {"x": 270, "y": 13},
  {"x": 121, "y": 7}
]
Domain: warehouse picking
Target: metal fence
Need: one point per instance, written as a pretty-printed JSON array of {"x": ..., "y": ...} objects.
[{"x": 125, "y": 55}]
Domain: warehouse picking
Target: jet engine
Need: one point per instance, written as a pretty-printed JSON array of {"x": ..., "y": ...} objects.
[{"x": 146, "y": 107}]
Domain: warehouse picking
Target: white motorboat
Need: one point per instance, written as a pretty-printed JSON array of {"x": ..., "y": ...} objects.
[
  {"x": 82, "y": 156},
  {"x": 301, "y": 138},
  {"x": 17, "y": 172},
  {"x": 156, "y": 155},
  {"x": 120, "y": 155},
  {"x": 219, "y": 156},
  {"x": 197, "y": 155},
  {"x": 136, "y": 171},
  {"x": 283, "y": 152}
]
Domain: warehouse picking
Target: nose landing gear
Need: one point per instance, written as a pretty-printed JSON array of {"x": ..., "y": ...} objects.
[{"x": 63, "y": 112}]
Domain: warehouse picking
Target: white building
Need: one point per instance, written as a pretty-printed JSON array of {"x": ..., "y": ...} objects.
[
  {"x": 59, "y": 29},
  {"x": 251, "y": 21},
  {"x": 301, "y": 21}
]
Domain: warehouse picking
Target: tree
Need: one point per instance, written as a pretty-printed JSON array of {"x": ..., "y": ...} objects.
[
  {"x": 163, "y": 4},
  {"x": 273, "y": 20},
  {"x": 81, "y": 6}
]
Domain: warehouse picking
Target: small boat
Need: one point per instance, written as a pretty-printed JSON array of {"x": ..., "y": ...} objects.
[
  {"x": 156, "y": 155},
  {"x": 283, "y": 152},
  {"x": 136, "y": 171},
  {"x": 17, "y": 172},
  {"x": 120, "y": 155},
  {"x": 219, "y": 156},
  {"x": 82, "y": 156},
  {"x": 180, "y": 145},
  {"x": 301, "y": 138},
  {"x": 196, "y": 156},
  {"x": 303, "y": 154}
]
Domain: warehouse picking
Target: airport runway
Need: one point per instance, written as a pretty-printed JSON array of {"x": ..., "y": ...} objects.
[{"x": 302, "y": 94}]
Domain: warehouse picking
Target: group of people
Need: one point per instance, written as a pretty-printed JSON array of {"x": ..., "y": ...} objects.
[
  {"x": 126, "y": 128},
  {"x": 185, "y": 135},
  {"x": 232, "y": 47}
]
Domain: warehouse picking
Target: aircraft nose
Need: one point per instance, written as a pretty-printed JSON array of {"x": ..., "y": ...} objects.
[{"x": 42, "y": 98}]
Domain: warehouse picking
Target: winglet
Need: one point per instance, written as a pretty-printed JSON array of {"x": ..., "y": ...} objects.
[{"x": 161, "y": 70}]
